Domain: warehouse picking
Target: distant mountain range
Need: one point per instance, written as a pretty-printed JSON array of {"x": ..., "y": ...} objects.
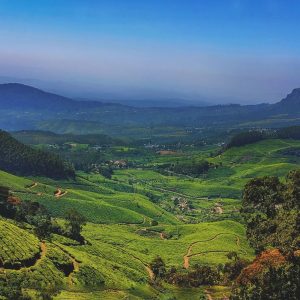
[
  {"x": 25, "y": 107},
  {"x": 19, "y": 96}
]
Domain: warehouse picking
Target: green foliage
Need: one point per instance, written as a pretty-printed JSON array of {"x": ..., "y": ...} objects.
[
  {"x": 6, "y": 209},
  {"x": 11, "y": 289},
  {"x": 233, "y": 268},
  {"x": 60, "y": 259},
  {"x": 158, "y": 268},
  {"x": 18, "y": 158},
  {"x": 90, "y": 277},
  {"x": 107, "y": 172},
  {"x": 199, "y": 275},
  {"x": 37, "y": 137},
  {"x": 271, "y": 211},
  {"x": 275, "y": 283},
  {"x": 195, "y": 168},
  {"x": 75, "y": 222},
  {"x": 245, "y": 138},
  {"x": 292, "y": 132},
  {"x": 17, "y": 246},
  {"x": 35, "y": 214}
]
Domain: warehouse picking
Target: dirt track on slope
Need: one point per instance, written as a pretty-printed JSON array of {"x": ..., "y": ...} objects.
[
  {"x": 33, "y": 185},
  {"x": 43, "y": 250},
  {"x": 59, "y": 193},
  {"x": 208, "y": 295},
  {"x": 188, "y": 255},
  {"x": 75, "y": 263},
  {"x": 146, "y": 266},
  {"x": 75, "y": 269}
]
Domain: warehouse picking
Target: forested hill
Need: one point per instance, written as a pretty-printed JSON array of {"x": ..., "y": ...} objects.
[
  {"x": 253, "y": 136},
  {"x": 18, "y": 158},
  {"x": 23, "y": 97},
  {"x": 35, "y": 137}
]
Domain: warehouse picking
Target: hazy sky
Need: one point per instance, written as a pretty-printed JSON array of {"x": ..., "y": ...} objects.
[{"x": 225, "y": 50}]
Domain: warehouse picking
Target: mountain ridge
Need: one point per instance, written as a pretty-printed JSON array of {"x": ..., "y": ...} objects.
[
  {"x": 24, "y": 107},
  {"x": 28, "y": 94}
]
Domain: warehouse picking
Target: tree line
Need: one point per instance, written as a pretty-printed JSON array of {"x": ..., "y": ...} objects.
[
  {"x": 253, "y": 136},
  {"x": 18, "y": 158}
]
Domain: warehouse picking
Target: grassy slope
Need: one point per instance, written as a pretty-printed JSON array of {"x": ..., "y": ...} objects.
[
  {"x": 109, "y": 207},
  {"x": 121, "y": 252},
  {"x": 238, "y": 166}
]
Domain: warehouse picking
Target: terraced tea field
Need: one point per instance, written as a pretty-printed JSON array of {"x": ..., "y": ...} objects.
[
  {"x": 23, "y": 256},
  {"x": 17, "y": 247}
]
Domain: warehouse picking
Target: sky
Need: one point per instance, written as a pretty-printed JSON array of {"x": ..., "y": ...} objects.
[{"x": 221, "y": 51}]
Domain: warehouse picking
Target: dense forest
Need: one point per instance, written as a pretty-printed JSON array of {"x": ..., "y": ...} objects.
[
  {"x": 34, "y": 137},
  {"x": 193, "y": 168},
  {"x": 18, "y": 158},
  {"x": 253, "y": 136}
]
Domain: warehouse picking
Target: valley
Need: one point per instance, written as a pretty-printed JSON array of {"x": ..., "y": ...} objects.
[
  {"x": 149, "y": 150},
  {"x": 142, "y": 210}
]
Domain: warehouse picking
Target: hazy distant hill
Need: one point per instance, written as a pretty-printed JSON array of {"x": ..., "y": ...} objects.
[
  {"x": 25, "y": 107},
  {"x": 23, "y": 97}
]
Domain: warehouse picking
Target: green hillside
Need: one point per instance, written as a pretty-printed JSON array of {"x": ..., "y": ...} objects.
[
  {"x": 142, "y": 213},
  {"x": 18, "y": 158}
]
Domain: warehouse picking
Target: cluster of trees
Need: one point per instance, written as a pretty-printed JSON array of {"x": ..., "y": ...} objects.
[
  {"x": 245, "y": 138},
  {"x": 199, "y": 275},
  {"x": 12, "y": 288},
  {"x": 191, "y": 168},
  {"x": 271, "y": 210},
  {"x": 292, "y": 132},
  {"x": 16, "y": 157},
  {"x": 250, "y": 137}
]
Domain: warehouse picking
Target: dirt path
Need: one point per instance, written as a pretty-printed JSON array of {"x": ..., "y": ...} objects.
[
  {"x": 208, "y": 295},
  {"x": 59, "y": 193},
  {"x": 33, "y": 185},
  {"x": 188, "y": 255},
  {"x": 43, "y": 250},
  {"x": 74, "y": 262},
  {"x": 75, "y": 269},
  {"x": 146, "y": 266}
]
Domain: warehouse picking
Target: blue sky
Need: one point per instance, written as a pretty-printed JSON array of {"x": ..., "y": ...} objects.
[{"x": 219, "y": 50}]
